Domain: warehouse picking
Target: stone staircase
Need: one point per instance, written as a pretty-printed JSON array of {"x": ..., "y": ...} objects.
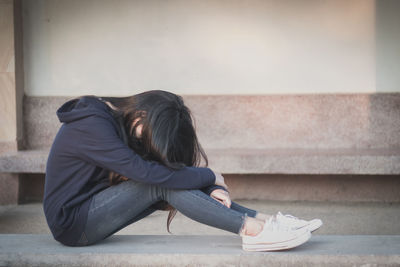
[
  {"x": 332, "y": 138},
  {"x": 332, "y": 150}
]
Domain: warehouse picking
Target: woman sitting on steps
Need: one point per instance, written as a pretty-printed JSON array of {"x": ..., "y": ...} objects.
[{"x": 115, "y": 160}]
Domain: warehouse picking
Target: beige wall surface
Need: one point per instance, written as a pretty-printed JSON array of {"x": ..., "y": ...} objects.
[
  {"x": 8, "y": 114},
  {"x": 121, "y": 47}
]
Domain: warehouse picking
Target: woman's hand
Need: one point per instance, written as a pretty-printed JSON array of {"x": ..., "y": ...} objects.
[
  {"x": 219, "y": 180},
  {"x": 221, "y": 196}
]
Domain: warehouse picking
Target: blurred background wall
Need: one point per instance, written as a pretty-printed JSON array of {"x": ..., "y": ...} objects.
[{"x": 75, "y": 47}]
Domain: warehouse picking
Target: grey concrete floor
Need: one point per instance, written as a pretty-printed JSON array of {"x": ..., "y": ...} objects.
[
  {"x": 198, "y": 250},
  {"x": 338, "y": 218}
]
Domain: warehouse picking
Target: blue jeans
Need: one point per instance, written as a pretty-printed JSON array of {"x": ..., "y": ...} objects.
[{"x": 121, "y": 205}]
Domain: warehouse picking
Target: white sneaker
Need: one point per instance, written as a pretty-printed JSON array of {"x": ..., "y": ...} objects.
[
  {"x": 275, "y": 236},
  {"x": 295, "y": 223}
]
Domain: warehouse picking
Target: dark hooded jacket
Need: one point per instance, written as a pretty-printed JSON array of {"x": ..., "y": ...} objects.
[{"x": 86, "y": 148}]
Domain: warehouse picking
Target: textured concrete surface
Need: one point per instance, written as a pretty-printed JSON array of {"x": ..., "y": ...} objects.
[
  {"x": 9, "y": 188},
  {"x": 338, "y": 218},
  {"x": 304, "y": 134},
  {"x": 306, "y": 161},
  {"x": 255, "y": 161},
  {"x": 344, "y": 134},
  {"x": 318, "y": 121},
  {"x": 123, "y": 250},
  {"x": 8, "y": 146},
  {"x": 30, "y": 161},
  {"x": 271, "y": 187},
  {"x": 305, "y": 187}
]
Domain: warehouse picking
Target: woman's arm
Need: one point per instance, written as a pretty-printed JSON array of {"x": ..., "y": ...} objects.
[{"x": 99, "y": 144}]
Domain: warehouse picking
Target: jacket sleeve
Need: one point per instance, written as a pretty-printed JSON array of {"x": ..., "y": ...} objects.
[{"x": 99, "y": 144}]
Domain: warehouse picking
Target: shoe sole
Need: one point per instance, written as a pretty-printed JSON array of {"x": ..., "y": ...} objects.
[{"x": 278, "y": 246}]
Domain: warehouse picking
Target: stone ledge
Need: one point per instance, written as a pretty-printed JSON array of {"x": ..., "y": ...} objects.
[
  {"x": 305, "y": 161},
  {"x": 141, "y": 250},
  {"x": 29, "y": 161},
  {"x": 256, "y": 161},
  {"x": 262, "y": 121}
]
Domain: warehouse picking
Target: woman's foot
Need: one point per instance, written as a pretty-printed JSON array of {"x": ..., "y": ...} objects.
[
  {"x": 275, "y": 236},
  {"x": 291, "y": 221},
  {"x": 295, "y": 223}
]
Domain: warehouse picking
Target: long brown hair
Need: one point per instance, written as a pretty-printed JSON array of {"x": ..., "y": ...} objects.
[{"x": 168, "y": 133}]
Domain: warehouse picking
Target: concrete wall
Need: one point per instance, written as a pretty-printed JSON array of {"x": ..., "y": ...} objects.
[
  {"x": 11, "y": 75},
  {"x": 388, "y": 45},
  {"x": 8, "y": 130},
  {"x": 11, "y": 92},
  {"x": 121, "y": 47}
]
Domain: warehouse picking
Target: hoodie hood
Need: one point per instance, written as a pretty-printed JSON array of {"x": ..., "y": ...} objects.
[{"x": 83, "y": 107}]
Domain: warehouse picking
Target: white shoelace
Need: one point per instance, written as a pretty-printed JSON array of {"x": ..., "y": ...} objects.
[
  {"x": 273, "y": 225},
  {"x": 288, "y": 216}
]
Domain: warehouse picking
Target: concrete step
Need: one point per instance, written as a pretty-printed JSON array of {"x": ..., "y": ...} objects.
[
  {"x": 256, "y": 161},
  {"x": 339, "y": 219},
  {"x": 148, "y": 250}
]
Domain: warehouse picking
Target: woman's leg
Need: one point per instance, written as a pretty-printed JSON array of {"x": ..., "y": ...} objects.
[
  {"x": 251, "y": 213},
  {"x": 118, "y": 206},
  {"x": 241, "y": 209}
]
